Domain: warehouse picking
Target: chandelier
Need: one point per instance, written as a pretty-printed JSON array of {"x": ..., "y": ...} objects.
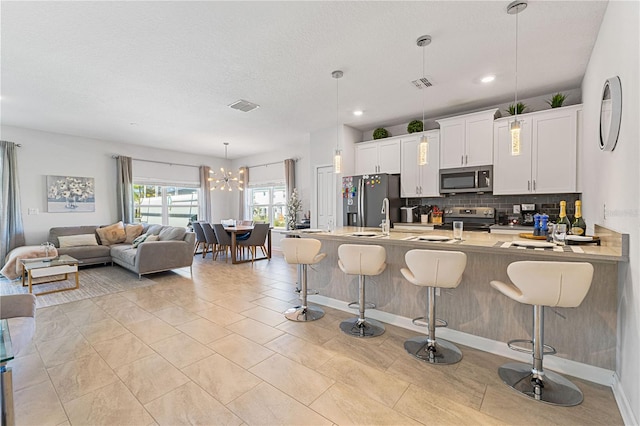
[{"x": 226, "y": 180}]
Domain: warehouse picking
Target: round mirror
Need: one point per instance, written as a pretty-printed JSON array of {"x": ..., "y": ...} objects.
[{"x": 610, "y": 113}]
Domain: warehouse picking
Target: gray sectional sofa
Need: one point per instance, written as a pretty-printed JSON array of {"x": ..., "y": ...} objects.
[{"x": 173, "y": 249}]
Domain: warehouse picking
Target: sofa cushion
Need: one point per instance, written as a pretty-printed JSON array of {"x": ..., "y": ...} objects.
[
  {"x": 112, "y": 234},
  {"x": 125, "y": 253},
  {"x": 56, "y": 232},
  {"x": 172, "y": 234},
  {"x": 85, "y": 252},
  {"x": 132, "y": 232},
  {"x": 78, "y": 240},
  {"x": 154, "y": 229}
]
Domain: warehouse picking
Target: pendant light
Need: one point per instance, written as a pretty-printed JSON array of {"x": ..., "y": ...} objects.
[
  {"x": 337, "y": 158},
  {"x": 515, "y": 8},
  {"x": 423, "y": 146},
  {"x": 226, "y": 180}
]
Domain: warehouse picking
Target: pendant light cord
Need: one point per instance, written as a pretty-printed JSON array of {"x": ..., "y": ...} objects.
[
  {"x": 423, "y": 78},
  {"x": 515, "y": 105},
  {"x": 337, "y": 116}
]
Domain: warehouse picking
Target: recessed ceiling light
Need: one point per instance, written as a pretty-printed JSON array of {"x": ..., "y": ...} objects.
[
  {"x": 488, "y": 78},
  {"x": 358, "y": 112}
]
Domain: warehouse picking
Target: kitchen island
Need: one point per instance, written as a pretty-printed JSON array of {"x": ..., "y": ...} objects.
[{"x": 586, "y": 334}]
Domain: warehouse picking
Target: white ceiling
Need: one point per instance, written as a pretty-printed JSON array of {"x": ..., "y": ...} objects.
[{"x": 171, "y": 68}]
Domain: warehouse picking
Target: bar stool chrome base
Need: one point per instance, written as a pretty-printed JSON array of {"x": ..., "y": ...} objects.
[
  {"x": 555, "y": 389},
  {"x": 445, "y": 352},
  {"x": 362, "y": 328},
  {"x": 303, "y": 313}
]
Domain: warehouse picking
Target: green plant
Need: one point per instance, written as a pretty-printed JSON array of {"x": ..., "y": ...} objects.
[
  {"x": 557, "y": 100},
  {"x": 521, "y": 108},
  {"x": 415, "y": 126},
  {"x": 380, "y": 133},
  {"x": 294, "y": 206}
]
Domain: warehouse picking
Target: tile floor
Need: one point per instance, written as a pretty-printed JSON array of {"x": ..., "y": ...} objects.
[{"x": 216, "y": 349}]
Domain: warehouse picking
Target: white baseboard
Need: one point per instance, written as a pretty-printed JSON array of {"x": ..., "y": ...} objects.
[
  {"x": 572, "y": 368},
  {"x": 623, "y": 403}
]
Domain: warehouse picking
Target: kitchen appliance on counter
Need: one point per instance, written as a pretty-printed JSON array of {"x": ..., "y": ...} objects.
[
  {"x": 474, "y": 218},
  {"x": 527, "y": 211},
  {"x": 409, "y": 214},
  {"x": 466, "y": 179},
  {"x": 362, "y": 199}
]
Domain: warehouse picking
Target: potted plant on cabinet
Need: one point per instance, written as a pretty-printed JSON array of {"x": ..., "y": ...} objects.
[
  {"x": 380, "y": 133},
  {"x": 557, "y": 100},
  {"x": 415, "y": 126},
  {"x": 519, "y": 107}
]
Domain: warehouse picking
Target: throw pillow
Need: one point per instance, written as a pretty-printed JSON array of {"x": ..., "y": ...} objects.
[
  {"x": 172, "y": 234},
  {"x": 78, "y": 240},
  {"x": 139, "y": 240},
  {"x": 151, "y": 238},
  {"x": 154, "y": 229},
  {"x": 112, "y": 234},
  {"x": 132, "y": 232}
]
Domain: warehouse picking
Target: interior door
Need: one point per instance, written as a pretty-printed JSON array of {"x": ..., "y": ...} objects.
[{"x": 327, "y": 196}]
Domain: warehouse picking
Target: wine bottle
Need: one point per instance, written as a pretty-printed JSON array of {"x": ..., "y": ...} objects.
[
  {"x": 578, "y": 227},
  {"x": 562, "y": 217}
]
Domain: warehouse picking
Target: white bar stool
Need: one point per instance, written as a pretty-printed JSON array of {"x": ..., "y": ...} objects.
[
  {"x": 561, "y": 284},
  {"x": 362, "y": 260},
  {"x": 431, "y": 269},
  {"x": 303, "y": 252}
]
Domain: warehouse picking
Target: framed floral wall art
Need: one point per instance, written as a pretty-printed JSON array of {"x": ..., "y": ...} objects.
[{"x": 70, "y": 194}]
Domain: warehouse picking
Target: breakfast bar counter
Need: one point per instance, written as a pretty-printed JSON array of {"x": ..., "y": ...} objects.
[{"x": 586, "y": 334}]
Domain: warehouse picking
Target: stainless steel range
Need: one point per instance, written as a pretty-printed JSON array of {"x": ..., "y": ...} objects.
[{"x": 474, "y": 218}]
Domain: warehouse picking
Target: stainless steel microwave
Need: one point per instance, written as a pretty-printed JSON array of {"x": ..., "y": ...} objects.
[{"x": 466, "y": 179}]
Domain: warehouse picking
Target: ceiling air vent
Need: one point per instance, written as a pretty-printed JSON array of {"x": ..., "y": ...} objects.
[
  {"x": 422, "y": 83},
  {"x": 244, "y": 106}
]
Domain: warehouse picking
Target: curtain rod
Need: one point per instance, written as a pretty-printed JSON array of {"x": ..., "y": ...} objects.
[
  {"x": 271, "y": 164},
  {"x": 159, "y": 162}
]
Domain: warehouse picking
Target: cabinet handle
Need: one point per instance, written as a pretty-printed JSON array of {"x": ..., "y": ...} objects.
[
  {"x": 534, "y": 184},
  {"x": 421, "y": 190},
  {"x": 528, "y": 185},
  {"x": 466, "y": 159},
  {"x": 462, "y": 160}
]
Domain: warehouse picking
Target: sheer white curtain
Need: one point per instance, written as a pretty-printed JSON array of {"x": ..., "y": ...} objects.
[
  {"x": 205, "y": 189},
  {"x": 11, "y": 228},
  {"x": 124, "y": 188}
]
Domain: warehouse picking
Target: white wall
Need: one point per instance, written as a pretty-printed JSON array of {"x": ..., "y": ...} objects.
[
  {"x": 613, "y": 178},
  {"x": 45, "y": 154}
]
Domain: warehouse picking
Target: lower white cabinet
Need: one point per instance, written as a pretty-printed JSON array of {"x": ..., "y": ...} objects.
[
  {"x": 415, "y": 180},
  {"x": 548, "y": 153}
]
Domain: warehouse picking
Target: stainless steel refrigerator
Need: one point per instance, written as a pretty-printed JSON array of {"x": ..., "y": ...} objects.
[{"x": 362, "y": 199}]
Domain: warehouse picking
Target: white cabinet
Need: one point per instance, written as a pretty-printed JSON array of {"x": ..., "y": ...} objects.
[
  {"x": 467, "y": 140},
  {"x": 415, "y": 180},
  {"x": 547, "y": 160},
  {"x": 378, "y": 157}
]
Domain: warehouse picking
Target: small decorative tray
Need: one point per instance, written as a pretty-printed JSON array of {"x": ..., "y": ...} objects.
[{"x": 530, "y": 236}]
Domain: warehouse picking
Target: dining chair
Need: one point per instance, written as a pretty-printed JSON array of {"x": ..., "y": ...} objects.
[
  {"x": 223, "y": 238},
  {"x": 200, "y": 238},
  {"x": 212, "y": 241},
  {"x": 258, "y": 238}
]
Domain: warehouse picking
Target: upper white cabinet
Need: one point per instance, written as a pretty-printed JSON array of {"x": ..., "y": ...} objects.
[
  {"x": 548, "y": 151},
  {"x": 415, "y": 180},
  {"x": 467, "y": 140},
  {"x": 378, "y": 157}
]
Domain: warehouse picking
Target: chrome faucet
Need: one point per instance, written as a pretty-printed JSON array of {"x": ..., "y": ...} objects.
[{"x": 386, "y": 224}]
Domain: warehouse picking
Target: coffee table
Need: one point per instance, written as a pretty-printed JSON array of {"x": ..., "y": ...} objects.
[{"x": 39, "y": 268}]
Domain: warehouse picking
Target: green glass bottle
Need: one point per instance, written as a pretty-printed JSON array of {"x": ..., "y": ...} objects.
[
  {"x": 562, "y": 217},
  {"x": 578, "y": 227}
]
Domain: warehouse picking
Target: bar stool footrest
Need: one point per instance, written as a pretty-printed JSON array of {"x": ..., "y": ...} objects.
[
  {"x": 420, "y": 322},
  {"x": 547, "y": 350},
  {"x": 356, "y": 305}
]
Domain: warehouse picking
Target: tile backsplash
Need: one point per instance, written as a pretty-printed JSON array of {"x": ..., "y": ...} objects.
[{"x": 545, "y": 203}]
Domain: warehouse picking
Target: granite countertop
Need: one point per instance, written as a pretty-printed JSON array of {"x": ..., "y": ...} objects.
[{"x": 475, "y": 241}]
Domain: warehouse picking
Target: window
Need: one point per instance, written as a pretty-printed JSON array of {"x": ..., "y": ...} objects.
[
  {"x": 165, "y": 205},
  {"x": 268, "y": 204}
]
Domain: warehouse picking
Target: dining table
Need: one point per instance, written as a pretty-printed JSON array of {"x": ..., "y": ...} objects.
[{"x": 241, "y": 229}]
